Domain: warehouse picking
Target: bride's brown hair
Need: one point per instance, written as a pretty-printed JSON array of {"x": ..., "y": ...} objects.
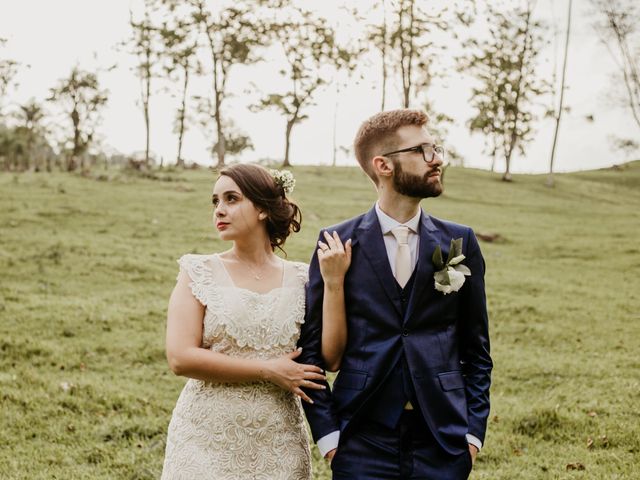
[{"x": 257, "y": 184}]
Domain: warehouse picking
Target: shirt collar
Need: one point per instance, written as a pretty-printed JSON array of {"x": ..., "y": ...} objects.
[{"x": 387, "y": 223}]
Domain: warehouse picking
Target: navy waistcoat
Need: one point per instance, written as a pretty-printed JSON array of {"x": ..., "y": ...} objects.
[{"x": 387, "y": 404}]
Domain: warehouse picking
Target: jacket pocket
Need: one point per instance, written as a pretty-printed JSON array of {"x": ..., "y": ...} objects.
[
  {"x": 351, "y": 379},
  {"x": 451, "y": 380}
]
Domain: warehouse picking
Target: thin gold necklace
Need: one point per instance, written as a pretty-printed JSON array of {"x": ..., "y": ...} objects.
[{"x": 257, "y": 275}]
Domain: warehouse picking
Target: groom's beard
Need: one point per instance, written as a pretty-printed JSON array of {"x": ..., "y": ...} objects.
[{"x": 415, "y": 186}]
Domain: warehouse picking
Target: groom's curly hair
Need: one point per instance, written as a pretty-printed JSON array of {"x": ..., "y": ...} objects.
[{"x": 378, "y": 134}]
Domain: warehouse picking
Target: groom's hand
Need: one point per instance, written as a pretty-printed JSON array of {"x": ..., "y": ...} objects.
[
  {"x": 473, "y": 450},
  {"x": 330, "y": 454}
]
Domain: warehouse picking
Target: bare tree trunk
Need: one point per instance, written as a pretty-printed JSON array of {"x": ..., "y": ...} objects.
[
  {"x": 550, "y": 181},
  {"x": 514, "y": 135},
  {"x": 335, "y": 126},
  {"x": 406, "y": 49},
  {"x": 629, "y": 67},
  {"x": 221, "y": 147},
  {"x": 217, "y": 92},
  {"x": 290, "y": 124},
  {"x": 403, "y": 56},
  {"x": 634, "y": 95},
  {"x": 411, "y": 53},
  {"x": 220, "y": 150},
  {"x": 506, "y": 177},
  {"x": 29, "y": 156},
  {"x": 145, "y": 106},
  {"x": 181, "y": 120},
  {"x": 494, "y": 154},
  {"x": 384, "y": 55},
  {"x": 72, "y": 163}
]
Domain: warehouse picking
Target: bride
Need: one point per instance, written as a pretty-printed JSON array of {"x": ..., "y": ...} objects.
[{"x": 233, "y": 322}]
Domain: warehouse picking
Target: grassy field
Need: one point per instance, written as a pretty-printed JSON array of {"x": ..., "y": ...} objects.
[{"x": 87, "y": 266}]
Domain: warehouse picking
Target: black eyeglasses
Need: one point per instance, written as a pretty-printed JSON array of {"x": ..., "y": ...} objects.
[{"x": 428, "y": 151}]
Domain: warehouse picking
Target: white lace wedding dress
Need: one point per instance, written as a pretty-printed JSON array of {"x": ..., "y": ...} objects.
[{"x": 249, "y": 430}]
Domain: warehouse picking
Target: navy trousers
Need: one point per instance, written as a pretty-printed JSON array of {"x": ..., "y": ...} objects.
[{"x": 373, "y": 451}]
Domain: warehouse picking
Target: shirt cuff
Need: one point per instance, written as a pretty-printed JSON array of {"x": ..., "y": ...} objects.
[
  {"x": 471, "y": 439},
  {"x": 328, "y": 442}
]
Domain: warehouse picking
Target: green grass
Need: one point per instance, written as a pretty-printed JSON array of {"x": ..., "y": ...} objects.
[{"x": 87, "y": 267}]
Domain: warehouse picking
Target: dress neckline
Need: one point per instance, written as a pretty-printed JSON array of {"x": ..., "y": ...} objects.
[{"x": 232, "y": 283}]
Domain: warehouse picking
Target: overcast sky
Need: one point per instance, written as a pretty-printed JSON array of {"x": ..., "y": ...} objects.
[{"x": 49, "y": 37}]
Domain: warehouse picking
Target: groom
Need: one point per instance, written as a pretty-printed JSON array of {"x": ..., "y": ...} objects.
[{"x": 412, "y": 396}]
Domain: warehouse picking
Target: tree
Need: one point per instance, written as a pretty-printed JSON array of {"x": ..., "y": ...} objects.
[
  {"x": 413, "y": 49},
  {"x": 558, "y": 116},
  {"x": 180, "y": 48},
  {"x": 311, "y": 54},
  {"x": 8, "y": 72},
  {"x": 235, "y": 140},
  {"x": 232, "y": 31},
  {"x": 377, "y": 35},
  {"x": 411, "y": 42},
  {"x": 82, "y": 100},
  {"x": 12, "y": 148},
  {"x": 145, "y": 45},
  {"x": 626, "y": 146},
  {"x": 22, "y": 148},
  {"x": 620, "y": 30},
  {"x": 507, "y": 83},
  {"x": 345, "y": 65},
  {"x": 30, "y": 116}
]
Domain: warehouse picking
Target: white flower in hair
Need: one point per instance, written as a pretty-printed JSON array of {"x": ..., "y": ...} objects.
[{"x": 285, "y": 179}]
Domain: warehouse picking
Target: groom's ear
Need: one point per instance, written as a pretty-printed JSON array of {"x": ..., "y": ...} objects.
[{"x": 382, "y": 167}]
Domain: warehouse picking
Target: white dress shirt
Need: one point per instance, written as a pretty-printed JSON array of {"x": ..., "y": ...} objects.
[{"x": 330, "y": 441}]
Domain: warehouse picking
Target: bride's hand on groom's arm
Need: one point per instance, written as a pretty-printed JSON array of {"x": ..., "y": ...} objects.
[
  {"x": 290, "y": 375},
  {"x": 334, "y": 259}
]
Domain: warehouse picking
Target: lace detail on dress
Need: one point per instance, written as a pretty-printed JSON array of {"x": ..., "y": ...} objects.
[
  {"x": 200, "y": 283},
  {"x": 241, "y": 431},
  {"x": 246, "y": 316}
]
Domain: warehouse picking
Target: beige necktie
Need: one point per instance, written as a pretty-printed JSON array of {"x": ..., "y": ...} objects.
[
  {"x": 403, "y": 264},
  {"x": 403, "y": 255}
]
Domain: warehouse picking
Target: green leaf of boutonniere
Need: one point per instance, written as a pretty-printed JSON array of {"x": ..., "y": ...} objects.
[
  {"x": 449, "y": 276},
  {"x": 436, "y": 258},
  {"x": 455, "y": 250}
]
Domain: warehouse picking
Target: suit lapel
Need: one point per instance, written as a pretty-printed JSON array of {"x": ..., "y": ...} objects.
[
  {"x": 373, "y": 248},
  {"x": 429, "y": 239}
]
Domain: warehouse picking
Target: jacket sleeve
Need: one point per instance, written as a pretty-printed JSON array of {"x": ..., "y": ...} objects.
[
  {"x": 320, "y": 414},
  {"x": 474, "y": 341}
]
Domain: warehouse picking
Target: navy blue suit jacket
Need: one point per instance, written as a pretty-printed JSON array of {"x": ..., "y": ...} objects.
[{"x": 445, "y": 338}]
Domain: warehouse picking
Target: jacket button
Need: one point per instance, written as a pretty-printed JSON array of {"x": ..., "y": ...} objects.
[{"x": 405, "y": 333}]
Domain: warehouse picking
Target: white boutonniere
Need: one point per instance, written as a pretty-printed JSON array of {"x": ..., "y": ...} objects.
[{"x": 449, "y": 276}]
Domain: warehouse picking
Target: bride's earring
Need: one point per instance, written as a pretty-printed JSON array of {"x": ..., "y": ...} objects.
[{"x": 262, "y": 216}]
